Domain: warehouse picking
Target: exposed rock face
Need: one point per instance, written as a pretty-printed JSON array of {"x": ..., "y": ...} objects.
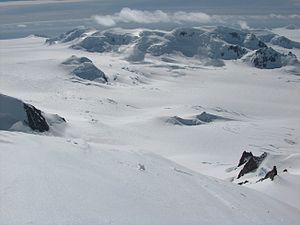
[
  {"x": 251, "y": 162},
  {"x": 207, "y": 117},
  {"x": 15, "y": 115},
  {"x": 271, "y": 174},
  {"x": 232, "y": 52},
  {"x": 268, "y": 58},
  {"x": 89, "y": 71},
  {"x": 245, "y": 157},
  {"x": 253, "y": 43},
  {"x": 36, "y": 121},
  {"x": 85, "y": 69}
]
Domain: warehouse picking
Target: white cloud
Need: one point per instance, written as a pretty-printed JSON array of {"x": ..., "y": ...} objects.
[
  {"x": 243, "y": 24},
  {"x": 127, "y": 15},
  {"x": 107, "y": 21},
  {"x": 191, "y": 17},
  {"x": 290, "y": 16},
  {"x": 137, "y": 16}
]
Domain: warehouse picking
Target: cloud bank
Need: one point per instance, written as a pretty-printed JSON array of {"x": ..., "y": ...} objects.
[
  {"x": 133, "y": 16},
  {"x": 127, "y": 15}
]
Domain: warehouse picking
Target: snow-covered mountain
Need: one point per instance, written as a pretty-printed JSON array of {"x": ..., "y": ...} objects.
[
  {"x": 268, "y": 58},
  {"x": 216, "y": 43},
  {"x": 157, "y": 128}
]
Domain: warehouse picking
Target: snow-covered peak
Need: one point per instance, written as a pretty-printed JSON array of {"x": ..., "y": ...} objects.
[
  {"x": 213, "y": 43},
  {"x": 268, "y": 58},
  {"x": 68, "y": 36}
]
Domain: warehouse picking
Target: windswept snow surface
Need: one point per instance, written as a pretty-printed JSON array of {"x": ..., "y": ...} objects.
[{"x": 90, "y": 173}]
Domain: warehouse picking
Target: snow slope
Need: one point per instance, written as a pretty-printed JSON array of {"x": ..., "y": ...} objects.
[{"x": 75, "y": 182}]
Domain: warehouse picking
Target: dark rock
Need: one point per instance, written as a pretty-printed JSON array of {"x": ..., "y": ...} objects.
[
  {"x": 36, "y": 121},
  {"x": 267, "y": 58},
  {"x": 252, "y": 163},
  {"x": 285, "y": 171},
  {"x": 141, "y": 167},
  {"x": 250, "y": 166},
  {"x": 245, "y": 157},
  {"x": 244, "y": 182},
  {"x": 271, "y": 174},
  {"x": 89, "y": 71}
]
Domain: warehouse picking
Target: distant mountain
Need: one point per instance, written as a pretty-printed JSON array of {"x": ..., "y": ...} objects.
[{"x": 216, "y": 43}]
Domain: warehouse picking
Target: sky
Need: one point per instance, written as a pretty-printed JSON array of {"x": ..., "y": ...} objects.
[{"x": 49, "y": 17}]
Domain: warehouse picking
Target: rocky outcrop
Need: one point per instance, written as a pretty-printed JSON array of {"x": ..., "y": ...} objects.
[
  {"x": 245, "y": 157},
  {"x": 36, "y": 121},
  {"x": 195, "y": 120},
  {"x": 207, "y": 117},
  {"x": 84, "y": 68},
  {"x": 89, "y": 71},
  {"x": 250, "y": 162},
  {"x": 271, "y": 174},
  {"x": 268, "y": 58},
  {"x": 20, "y": 116}
]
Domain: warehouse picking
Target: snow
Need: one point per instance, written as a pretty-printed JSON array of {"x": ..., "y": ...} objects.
[
  {"x": 11, "y": 112},
  {"x": 73, "y": 182},
  {"x": 89, "y": 171}
]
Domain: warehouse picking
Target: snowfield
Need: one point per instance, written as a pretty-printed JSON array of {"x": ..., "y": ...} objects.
[{"x": 153, "y": 129}]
